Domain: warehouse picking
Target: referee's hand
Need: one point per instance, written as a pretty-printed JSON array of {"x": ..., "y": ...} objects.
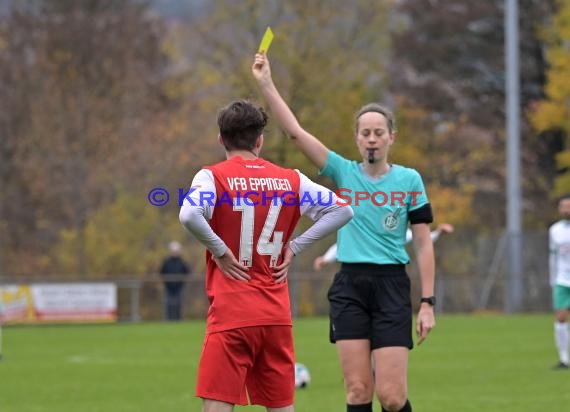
[{"x": 425, "y": 322}]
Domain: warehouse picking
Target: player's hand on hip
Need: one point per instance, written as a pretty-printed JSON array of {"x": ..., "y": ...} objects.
[
  {"x": 282, "y": 270},
  {"x": 425, "y": 322},
  {"x": 231, "y": 268},
  {"x": 261, "y": 69}
]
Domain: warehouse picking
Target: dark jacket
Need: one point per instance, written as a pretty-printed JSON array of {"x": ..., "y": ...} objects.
[{"x": 173, "y": 267}]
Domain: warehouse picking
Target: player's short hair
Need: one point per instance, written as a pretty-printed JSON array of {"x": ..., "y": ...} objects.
[
  {"x": 376, "y": 108},
  {"x": 241, "y": 123},
  {"x": 565, "y": 196}
]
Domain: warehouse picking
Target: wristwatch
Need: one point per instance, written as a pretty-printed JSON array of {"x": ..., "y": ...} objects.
[{"x": 430, "y": 300}]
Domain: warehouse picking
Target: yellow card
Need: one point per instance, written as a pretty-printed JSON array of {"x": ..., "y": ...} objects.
[{"x": 266, "y": 41}]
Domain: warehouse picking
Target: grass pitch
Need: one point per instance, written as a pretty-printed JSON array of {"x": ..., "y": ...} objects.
[{"x": 469, "y": 363}]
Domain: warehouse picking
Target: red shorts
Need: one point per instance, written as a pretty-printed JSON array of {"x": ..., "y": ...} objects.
[{"x": 256, "y": 362}]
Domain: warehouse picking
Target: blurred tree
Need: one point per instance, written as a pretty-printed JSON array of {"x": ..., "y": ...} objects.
[
  {"x": 418, "y": 146},
  {"x": 551, "y": 116},
  {"x": 328, "y": 58},
  {"x": 448, "y": 58},
  {"x": 134, "y": 236},
  {"x": 82, "y": 110}
]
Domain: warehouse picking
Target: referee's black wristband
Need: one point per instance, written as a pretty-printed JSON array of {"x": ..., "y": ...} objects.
[{"x": 422, "y": 214}]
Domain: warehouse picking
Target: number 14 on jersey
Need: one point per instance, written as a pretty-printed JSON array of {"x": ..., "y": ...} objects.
[{"x": 265, "y": 246}]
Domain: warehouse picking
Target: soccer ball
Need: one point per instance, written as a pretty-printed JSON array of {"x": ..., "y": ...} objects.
[{"x": 302, "y": 376}]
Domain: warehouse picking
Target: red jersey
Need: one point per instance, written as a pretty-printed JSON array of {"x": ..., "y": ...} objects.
[{"x": 256, "y": 227}]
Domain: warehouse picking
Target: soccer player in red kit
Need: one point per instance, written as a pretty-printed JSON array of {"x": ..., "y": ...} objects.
[{"x": 244, "y": 210}]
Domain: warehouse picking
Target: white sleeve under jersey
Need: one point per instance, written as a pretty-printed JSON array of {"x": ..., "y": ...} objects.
[
  {"x": 330, "y": 254},
  {"x": 321, "y": 205},
  {"x": 195, "y": 214},
  {"x": 559, "y": 261},
  {"x": 434, "y": 235}
]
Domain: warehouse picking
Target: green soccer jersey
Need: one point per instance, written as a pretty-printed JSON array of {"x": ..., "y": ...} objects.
[{"x": 377, "y": 233}]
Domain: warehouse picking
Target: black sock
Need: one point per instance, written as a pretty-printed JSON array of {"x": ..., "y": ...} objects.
[
  {"x": 364, "y": 407},
  {"x": 406, "y": 408}
]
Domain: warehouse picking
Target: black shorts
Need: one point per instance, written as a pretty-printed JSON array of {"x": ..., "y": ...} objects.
[{"x": 372, "y": 302}]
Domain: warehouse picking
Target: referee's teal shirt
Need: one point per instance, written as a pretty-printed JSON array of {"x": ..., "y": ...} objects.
[{"x": 377, "y": 233}]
